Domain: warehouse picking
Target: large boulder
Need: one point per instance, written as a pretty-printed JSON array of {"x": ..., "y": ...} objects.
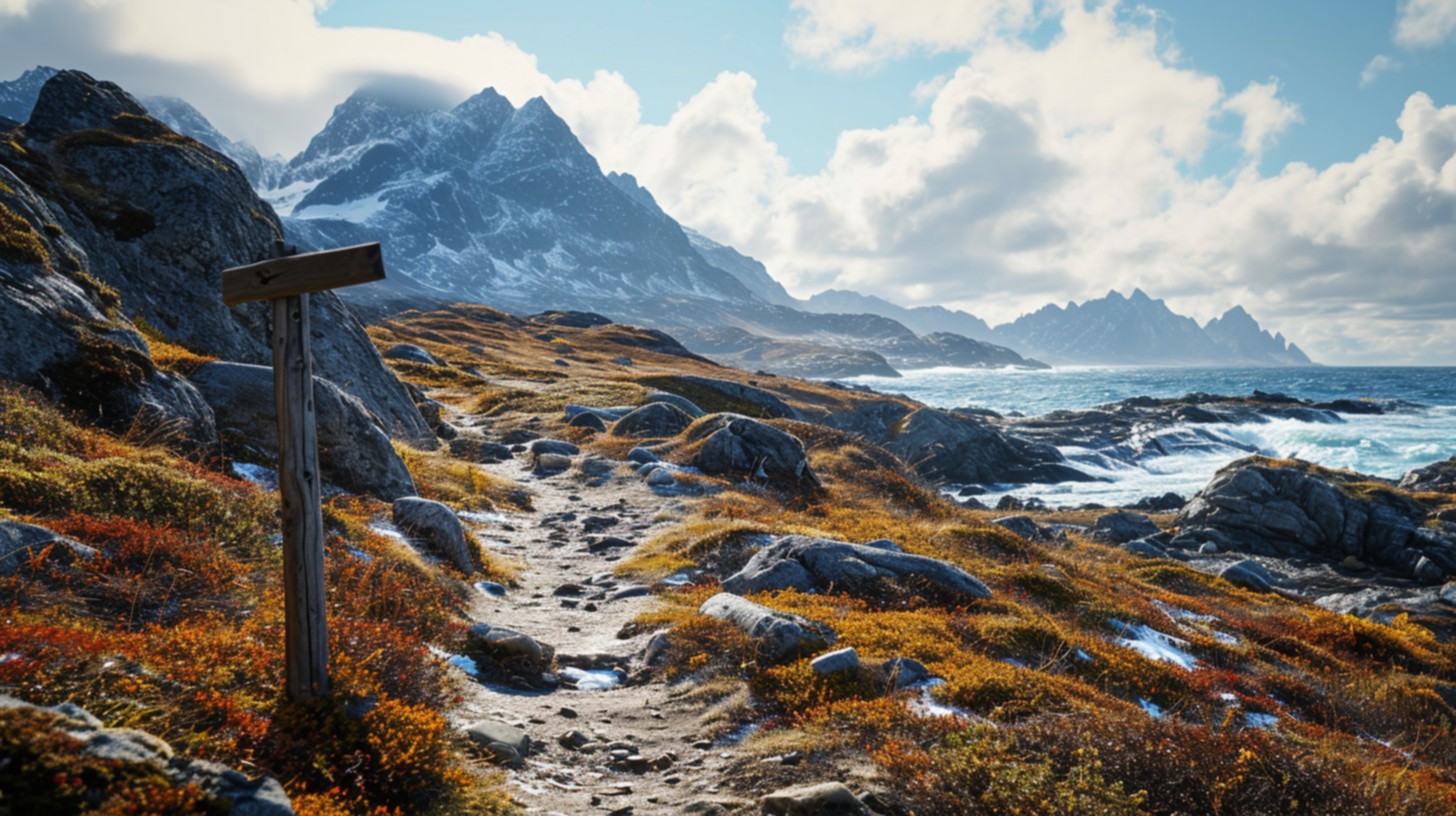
[
  {"x": 1255, "y": 506},
  {"x": 354, "y": 452},
  {"x": 1123, "y": 526},
  {"x": 686, "y": 405},
  {"x": 824, "y": 799},
  {"x": 156, "y": 217},
  {"x": 733, "y": 444},
  {"x": 439, "y": 528},
  {"x": 947, "y": 447},
  {"x": 779, "y": 636},
  {"x": 1438, "y": 477},
  {"x": 655, "y": 420},
  {"x": 749, "y": 398},
  {"x": 816, "y": 565}
]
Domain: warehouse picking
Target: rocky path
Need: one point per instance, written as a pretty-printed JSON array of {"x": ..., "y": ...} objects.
[{"x": 627, "y": 749}]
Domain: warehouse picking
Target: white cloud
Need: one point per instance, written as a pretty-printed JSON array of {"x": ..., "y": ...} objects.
[
  {"x": 1378, "y": 64},
  {"x": 1424, "y": 23},
  {"x": 1041, "y": 171},
  {"x": 1265, "y": 116},
  {"x": 848, "y": 34}
]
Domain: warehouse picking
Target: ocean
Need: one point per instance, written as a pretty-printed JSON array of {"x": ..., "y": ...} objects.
[{"x": 1388, "y": 445}]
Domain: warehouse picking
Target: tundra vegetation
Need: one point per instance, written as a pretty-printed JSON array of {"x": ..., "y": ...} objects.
[{"x": 1091, "y": 681}]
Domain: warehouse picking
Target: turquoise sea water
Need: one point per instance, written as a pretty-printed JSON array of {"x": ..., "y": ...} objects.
[{"x": 1388, "y": 445}]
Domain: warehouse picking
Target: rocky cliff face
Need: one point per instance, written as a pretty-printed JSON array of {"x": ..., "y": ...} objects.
[{"x": 148, "y": 219}]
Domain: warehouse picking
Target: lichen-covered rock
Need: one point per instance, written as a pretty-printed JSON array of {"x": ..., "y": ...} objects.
[
  {"x": 733, "y": 444},
  {"x": 1439, "y": 477},
  {"x": 811, "y": 564},
  {"x": 654, "y": 420},
  {"x": 439, "y": 528},
  {"x": 354, "y": 452},
  {"x": 156, "y": 217},
  {"x": 1256, "y": 507},
  {"x": 779, "y": 636}
]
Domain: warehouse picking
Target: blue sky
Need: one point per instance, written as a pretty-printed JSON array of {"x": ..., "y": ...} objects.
[
  {"x": 992, "y": 156},
  {"x": 669, "y": 50}
]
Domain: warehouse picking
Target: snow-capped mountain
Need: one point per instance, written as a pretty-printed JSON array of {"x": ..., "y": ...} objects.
[
  {"x": 1138, "y": 330},
  {"x": 17, "y": 97},
  {"x": 488, "y": 203},
  {"x": 180, "y": 116}
]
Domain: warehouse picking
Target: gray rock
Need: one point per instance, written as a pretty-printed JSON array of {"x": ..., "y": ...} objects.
[
  {"x": 827, "y": 799},
  {"x": 653, "y": 420},
  {"x": 157, "y": 219},
  {"x": 836, "y": 661},
  {"x": 437, "y": 526},
  {"x": 904, "y": 672},
  {"x": 779, "y": 636},
  {"x": 1145, "y": 549},
  {"x": 588, "y": 421},
  {"x": 1428, "y": 571},
  {"x": 411, "y": 353},
  {"x": 502, "y": 644},
  {"x": 550, "y": 463},
  {"x": 661, "y": 477},
  {"x": 1022, "y": 526},
  {"x": 1122, "y": 527},
  {"x": 1438, "y": 477},
  {"x": 683, "y": 404},
  {"x": 733, "y": 444},
  {"x": 814, "y": 565},
  {"x": 1298, "y": 511},
  {"x": 354, "y": 452},
  {"x": 947, "y": 447},
  {"x": 475, "y": 449},
  {"x": 506, "y": 743},
  {"x": 1248, "y": 574},
  {"x": 642, "y": 456},
  {"x": 763, "y": 403},
  {"x": 1447, "y": 594},
  {"x": 541, "y": 447},
  {"x": 607, "y": 415},
  {"x": 20, "y": 542}
]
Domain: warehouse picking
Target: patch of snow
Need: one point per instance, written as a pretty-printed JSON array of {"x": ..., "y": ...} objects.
[
  {"x": 739, "y": 734},
  {"x": 491, "y": 588},
  {"x": 1154, "y": 710},
  {"x": 1177, "y": 614},
  {"x": 360, "y": 554},
  {"x": 482, "y": 517},
  {"x": 1268, "y": 722},
  {"x": 257, "y": 474},
  {"x": 9, "y": 657},
  {"x": 1082, "y": 655},
  {"x": 592, "y": 680},
  {"x": 388, "y": 530},
  {"x": 357, "y": 211},
  {"x": 927, "y": 706},
  {"x": 1154, "y": 645},
  {"x": 678, "y": 579},
  {"x": 460, "y": 662},
  {"x": 1225, "y": 638},
  {"x": 285, "y": 198}
]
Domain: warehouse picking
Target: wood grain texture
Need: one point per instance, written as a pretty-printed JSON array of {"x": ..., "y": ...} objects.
[
  {"x": 299, "y": 274},
  {"x": 306, "y": 630}
]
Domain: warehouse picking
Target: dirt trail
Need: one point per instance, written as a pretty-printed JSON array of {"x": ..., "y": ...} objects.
[{"x": 551, "y": 544}]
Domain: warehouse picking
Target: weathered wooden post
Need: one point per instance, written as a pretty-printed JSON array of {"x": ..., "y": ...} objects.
[{"x": 286, "y": 279}]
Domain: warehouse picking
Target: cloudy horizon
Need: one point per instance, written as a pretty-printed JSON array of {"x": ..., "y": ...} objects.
[{"x": 1047, "y": 152}]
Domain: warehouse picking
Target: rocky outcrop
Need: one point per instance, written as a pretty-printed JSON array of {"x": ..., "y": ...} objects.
[
  {"x": 1297, "y": 510},
  {"x": 655, "y": 420},
  {"x": 127, "y": 751},
  {"x": 736, "y": 445},
  {"x": 437, "y": 526},
  {"x": 779, "y": 636},
  {"x": 750, "y": 399},
  {"x": 818, "y": 565},
  {"x": 354, "y": 453},
  {"x": 947, "y": 447},
  {"x": 1439, "y": 477},
  {"x": 156, "y": 217}
]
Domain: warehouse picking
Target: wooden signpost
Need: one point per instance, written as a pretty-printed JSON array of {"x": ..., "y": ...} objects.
[{"x": 286, "y": 279}]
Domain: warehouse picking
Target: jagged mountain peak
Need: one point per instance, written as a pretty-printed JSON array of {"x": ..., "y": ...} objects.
[
  {"x": 17, "y": 97},
  {"x": 71, "y": 101}
]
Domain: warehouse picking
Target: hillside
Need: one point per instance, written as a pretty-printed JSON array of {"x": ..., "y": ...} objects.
[{"x": 575, "y": 567}]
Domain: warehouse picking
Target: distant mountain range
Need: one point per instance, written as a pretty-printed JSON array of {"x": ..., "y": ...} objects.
[{"x": 494, "y": 204}]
